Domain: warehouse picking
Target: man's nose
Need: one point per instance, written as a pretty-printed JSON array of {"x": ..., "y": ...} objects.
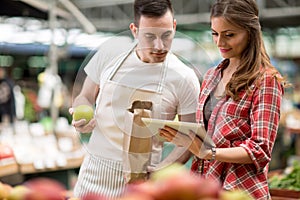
[{"x": 158, "y": 43}]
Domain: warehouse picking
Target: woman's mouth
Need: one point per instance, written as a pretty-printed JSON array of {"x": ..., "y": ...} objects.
[{"x": 224, "y": 50}]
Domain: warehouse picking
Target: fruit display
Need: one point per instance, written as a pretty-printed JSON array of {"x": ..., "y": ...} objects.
[
  {"x": 83, "y": 112},
  {"x": 174, "y": 182},
  {"x": 6, "y": 152},
  {"x": 35, "y": 189}
]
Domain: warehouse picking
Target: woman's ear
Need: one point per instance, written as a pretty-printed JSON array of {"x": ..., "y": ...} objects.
[{"x": 134, "y": 30}]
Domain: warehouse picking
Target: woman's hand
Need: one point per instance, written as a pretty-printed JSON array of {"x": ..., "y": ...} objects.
[
  {"x": 176, "y": 137},
  {"x": 81, "y": 125},
  {"x": 190, "y": 141}
]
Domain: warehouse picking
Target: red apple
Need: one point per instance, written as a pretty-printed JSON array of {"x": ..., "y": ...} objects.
[
  {"x": 181, "y": 186},
  {"x": 147, "y": 188},
  {"x": 44, "y": 189},
  {"x": 136, "y": 196},
  {"x": 208, "y": 188},
  {"x": 93, "y": 196}
]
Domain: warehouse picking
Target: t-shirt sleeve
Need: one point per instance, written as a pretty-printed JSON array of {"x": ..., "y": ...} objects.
[
  {"x": 106, "y": 56},
  {"x": 188, "y": 94},
  {"x": 94, "y": 67}
]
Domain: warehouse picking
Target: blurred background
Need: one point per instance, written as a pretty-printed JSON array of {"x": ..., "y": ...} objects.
[{"x": 44, "y": 43}]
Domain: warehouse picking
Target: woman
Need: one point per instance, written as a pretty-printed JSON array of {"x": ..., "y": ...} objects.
[{"x": 239, "y": 103}]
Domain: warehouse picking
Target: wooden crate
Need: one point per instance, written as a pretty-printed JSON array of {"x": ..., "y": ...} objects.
[{"x": 283, "y": 194}]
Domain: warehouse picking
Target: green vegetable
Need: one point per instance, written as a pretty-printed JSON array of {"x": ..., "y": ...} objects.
[{"x": 290, "y": 180}]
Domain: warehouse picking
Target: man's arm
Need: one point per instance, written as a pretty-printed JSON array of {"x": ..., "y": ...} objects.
[
  {"x": 87, "y": 96},
  {"x": 88, "y": 93}
]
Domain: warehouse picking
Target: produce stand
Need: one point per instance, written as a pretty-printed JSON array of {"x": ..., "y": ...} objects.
[
  {"x": 286, "y": 194},
  {"x": 8, "y": 168},
  {"x": 32, "y": 152},
  {"x": 30, "y": 169},
  {"x": 282, "y": 194},
  {"x": 296, "y": 131},
  {"x": 27, "y": 171},
  {"x": 8, "y": 164}
]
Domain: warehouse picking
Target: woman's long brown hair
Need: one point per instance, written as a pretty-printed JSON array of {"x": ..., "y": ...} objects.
[{"x": 254, "y": 59}]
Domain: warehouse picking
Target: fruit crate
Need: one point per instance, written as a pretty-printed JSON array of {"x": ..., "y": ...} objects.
[{"x": 283, "y": 194}]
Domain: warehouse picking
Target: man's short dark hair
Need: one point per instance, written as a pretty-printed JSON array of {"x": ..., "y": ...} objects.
[{"x": 151, "y": 8}]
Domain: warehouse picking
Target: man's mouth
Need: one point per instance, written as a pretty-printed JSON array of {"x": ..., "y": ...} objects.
[{"x": 159, "y": 54}]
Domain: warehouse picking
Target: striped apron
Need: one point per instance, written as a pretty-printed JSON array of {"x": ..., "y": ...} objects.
[{"x": 102, "y": 171}]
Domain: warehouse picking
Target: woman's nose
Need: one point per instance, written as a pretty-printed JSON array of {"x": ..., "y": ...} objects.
[{"x": 219, "y": 41}]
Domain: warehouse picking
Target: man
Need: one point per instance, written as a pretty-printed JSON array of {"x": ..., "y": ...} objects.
[
  {"x": 145, "y": 80},
  {"x": 7, "y": 99}
]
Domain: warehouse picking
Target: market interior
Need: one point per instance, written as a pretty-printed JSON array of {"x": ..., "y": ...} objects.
[{"x": 45, "y": 43}]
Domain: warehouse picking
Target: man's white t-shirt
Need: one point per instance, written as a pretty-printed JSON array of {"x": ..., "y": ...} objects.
[{"x": 180, "y": 87}]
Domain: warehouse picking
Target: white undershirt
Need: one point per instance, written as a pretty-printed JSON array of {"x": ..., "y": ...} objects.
[{"x": 137, "y": 74}]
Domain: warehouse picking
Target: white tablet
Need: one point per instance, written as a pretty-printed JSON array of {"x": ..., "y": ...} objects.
[{"x": 155, "y": 124}]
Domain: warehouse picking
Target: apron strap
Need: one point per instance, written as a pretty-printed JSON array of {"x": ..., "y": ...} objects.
[
  {"x": 119, "y": 62},
  {"x": 122, "y": 60}
]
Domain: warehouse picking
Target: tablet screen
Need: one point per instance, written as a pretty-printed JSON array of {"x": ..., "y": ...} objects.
[{"x": 184, "y": 127}]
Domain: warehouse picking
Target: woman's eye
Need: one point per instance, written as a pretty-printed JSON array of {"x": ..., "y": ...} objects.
[
  {"x": 213, "y": 33},
  {"x": 230, "y": 35}
]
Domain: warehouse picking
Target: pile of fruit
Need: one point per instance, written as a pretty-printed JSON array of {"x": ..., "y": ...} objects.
[
  {"x": 174, "y": 182},
  {"x": 35, "y": 189}
]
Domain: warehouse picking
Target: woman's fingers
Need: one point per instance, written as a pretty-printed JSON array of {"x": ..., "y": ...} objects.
[
  {"x": 166, "y": 134},
  {"x": 171, "y": 131}
]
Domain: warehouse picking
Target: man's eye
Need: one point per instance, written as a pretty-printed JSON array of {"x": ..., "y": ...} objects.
[
  {"x": 166, "y": 35},
  {"x": 214, "y": 33},
  {"x": 150, "y": 36}
]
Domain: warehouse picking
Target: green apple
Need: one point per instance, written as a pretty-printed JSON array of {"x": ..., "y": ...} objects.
[
  {"x": 83, "y": 112},
  {"x": 18, "y": 192},
  {"x": 4, "y": 190},
  {"x": 168, "y": 172},
  {"x": 235, "y": 194}
]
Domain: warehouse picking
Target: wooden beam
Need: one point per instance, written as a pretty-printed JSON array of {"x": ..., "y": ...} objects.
[{"x": 46, "y": 7}]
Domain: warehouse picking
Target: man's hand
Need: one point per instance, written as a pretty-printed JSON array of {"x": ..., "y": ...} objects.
[{"x": 81, "y": 125}]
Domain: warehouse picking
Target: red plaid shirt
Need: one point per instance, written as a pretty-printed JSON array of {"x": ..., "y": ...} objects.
[{"x": 251, "y": 123}]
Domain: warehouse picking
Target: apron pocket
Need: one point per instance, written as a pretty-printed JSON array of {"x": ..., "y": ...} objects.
[{"x": 137, "y": 146}]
